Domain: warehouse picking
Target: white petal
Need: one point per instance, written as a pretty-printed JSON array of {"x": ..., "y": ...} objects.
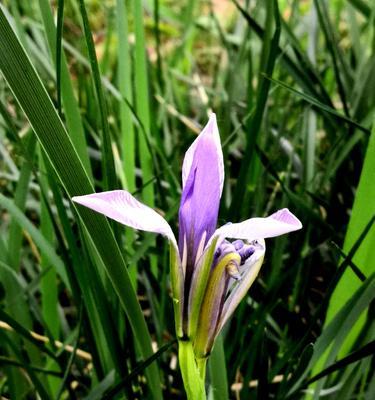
[
  {"x": 212, "y": 130},
  {"x": 121, "y": 206},
  {"x": 279, "y": 223}
]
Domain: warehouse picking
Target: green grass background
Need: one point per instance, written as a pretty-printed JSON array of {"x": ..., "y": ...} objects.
[{"x": 104, "y": 95}]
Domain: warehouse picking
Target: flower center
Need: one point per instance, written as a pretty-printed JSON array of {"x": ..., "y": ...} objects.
[{"x": 240, "y": 247}]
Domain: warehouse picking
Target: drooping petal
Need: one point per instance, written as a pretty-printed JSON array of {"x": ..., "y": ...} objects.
[
  {"x": 249, "y": 271},
  {"x": 121, "y": 206},
  {"x": 279, "y": 223},
  {"x": 202, "y": 176}
]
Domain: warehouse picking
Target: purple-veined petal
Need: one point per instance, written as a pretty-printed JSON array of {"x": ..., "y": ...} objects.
[
  {"x": 249, "y": 271},
  {"x": 279, "y": 223},
  {"x": 202, "y": 176},
  {"x": 211, "y": 130},
  {"x": 121, "y": 206}
]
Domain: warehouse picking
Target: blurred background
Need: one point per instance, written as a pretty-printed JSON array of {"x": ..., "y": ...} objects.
[{"x": 99, "y": 95}]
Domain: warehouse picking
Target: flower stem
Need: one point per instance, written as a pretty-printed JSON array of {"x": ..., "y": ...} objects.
[
  {"x": 193, "y": 373},
  {"x": 201, "y": 364}
]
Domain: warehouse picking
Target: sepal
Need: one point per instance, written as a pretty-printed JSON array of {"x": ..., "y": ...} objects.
[
  {"x": 198, "y": 287},
  {"x": 212, "y": 305},
  {"x": 177, "y": 283}
]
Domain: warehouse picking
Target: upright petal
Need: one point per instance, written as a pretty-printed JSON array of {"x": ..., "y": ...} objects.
[
  {"x": 212, "y": 130},
  {"x": 121, "y": 206},
  {"x": 279, "y": 223},
  {"x": 202, "y": 177}
]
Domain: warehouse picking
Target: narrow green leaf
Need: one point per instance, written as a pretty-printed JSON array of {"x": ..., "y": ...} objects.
[
  {"x": 263, "y": 387},
  {"x": 298, "y": 73},
  {"x": 125, "y": 88},
  {"x": 124, "y": 72},
  {"x": 319, "y": 105},
  {"x": 98, "y": 391},
  {"x": 361, "y": 6},
  {"x": 109, "y": 394},
  {"x": 108, "y": 164},
  {"x": 365, "y": 351},
  {"x": 49, "y": 283},
  {"x": 40, "y": 241},
  {"x": 15, "y": 363},
  {"x": 142, "y": 101},
  {"x": 71, "y": 109},
  {"x": 218, "y": 371},
  {"x": 39, "y": 386},
  {"x": 71, "y": 358},
  {"x": 15, "y": 230},
  {"x": 270, "y": 51},
  {"x": 319, "y": 312},
  {"x": 300, "y": 369},
  {"x": 25, "y": 333},
  {"x": 48, "y": 287},
  {"x": 59, "y": 29},
  {"x": 363, "y": 211},
  {"x": 339, "y": 327},
  {"x": 339, "y": 65}
]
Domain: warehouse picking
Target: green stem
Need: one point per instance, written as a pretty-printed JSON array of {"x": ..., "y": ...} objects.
[
  {"x": 193, "y": 374},
  {"x": 201, "y": 364}
]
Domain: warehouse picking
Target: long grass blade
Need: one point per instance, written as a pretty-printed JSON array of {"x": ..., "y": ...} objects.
[
  {"x": 269, "y": 50},
  {"x": 218, "y": 372},
  {"x": 364, "y": 258},
  {"x": 142, "y": 102},
  {"x": 43, "y": 244},
  {"x": 108, "y": 164},
  {"x": 71, "y": 110}
]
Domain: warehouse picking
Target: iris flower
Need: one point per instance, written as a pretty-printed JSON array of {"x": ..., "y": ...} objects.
[{"x": 211, "y": 269}]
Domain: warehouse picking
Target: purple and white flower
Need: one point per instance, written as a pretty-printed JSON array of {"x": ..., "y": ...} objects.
[{"x": 211, "y": 269}]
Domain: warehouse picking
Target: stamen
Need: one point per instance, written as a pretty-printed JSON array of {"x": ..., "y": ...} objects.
[
  {"x": 232, "y": 270},
  {"x": 245, "y": 253}
]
